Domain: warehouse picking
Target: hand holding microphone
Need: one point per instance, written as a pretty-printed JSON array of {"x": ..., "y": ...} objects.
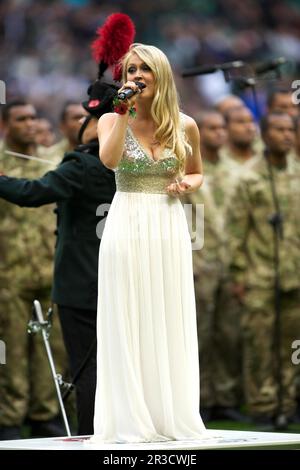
[
  {"x": 130, "y": 90},
  {"x": 126, "y": 97}
]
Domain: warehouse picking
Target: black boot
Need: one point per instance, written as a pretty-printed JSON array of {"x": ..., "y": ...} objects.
[
  {"x": 281, "y": 422},
  {"x": 51, "y": 428},
  {"x": 8, "y": 433}
]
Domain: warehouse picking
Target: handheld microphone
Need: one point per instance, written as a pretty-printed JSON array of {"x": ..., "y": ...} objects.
[
  {"x": 270, "y": 65},
  {"x": 212, "y": 68},
  {"x": 128, "y": 92}
]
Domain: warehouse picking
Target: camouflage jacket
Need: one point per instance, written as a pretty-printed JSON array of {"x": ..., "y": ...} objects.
[
  {"x": 251, "y": 236},
  {"x": 56, "y": 152},
  {"x": 219, "y": 182},
  {"x": 27, "y": 236}
]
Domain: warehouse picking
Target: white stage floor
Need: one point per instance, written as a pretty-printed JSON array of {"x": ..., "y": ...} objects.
[{"x": 216, "y": 439}]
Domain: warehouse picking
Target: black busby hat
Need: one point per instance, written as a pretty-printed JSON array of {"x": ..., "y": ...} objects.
[
  {"x": 101, "y": 97},
  {"x": 113, "y": 41}
]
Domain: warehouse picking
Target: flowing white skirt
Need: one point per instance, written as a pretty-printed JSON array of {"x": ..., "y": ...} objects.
[{"x": 147, "y": 357}]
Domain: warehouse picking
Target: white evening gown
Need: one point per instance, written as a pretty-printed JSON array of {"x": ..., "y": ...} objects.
[{"x": 147, "y": 358}]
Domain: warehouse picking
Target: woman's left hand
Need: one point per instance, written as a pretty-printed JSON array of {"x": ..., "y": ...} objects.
[{"x": 178, "y": 188}]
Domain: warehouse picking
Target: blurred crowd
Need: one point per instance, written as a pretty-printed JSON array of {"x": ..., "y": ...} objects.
[{"x": 45, "y": 56}]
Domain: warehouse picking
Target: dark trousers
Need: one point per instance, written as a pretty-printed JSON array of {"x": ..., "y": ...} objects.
[{"x": 79, "y": 332}]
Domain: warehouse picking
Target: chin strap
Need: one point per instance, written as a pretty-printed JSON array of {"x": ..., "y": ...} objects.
[{"x": 83, "y": 127}]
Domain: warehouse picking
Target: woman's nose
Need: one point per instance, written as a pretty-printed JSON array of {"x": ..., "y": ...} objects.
[{"x": 138, "y": 75}]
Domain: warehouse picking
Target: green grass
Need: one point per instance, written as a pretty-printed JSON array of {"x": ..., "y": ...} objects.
[{"x": 234, "y": 426}]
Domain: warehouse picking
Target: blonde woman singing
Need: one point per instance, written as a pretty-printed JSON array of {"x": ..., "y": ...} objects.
[{"x": 147, "y": 370}]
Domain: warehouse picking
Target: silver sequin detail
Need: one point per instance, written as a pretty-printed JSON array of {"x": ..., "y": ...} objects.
[{"x": 138, "y": 172}]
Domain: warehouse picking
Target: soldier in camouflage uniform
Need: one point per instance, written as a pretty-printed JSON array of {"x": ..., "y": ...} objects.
[
  {"x": 294, "y": 154},
  {"x": 242, "y": 132},
  {"x": 69, "y": 126},
  {"x": 227, "y": 103},
  {"x": 234, "y": 103},
  {"x": 294, "y": 157},
  {"x": 45, "y": 134},
  {"x": 281, "y": 100},
  {"x": 252, "y": 268},
  {"x": 217, "y": 311},
  {"x": 27, "y": 246}
]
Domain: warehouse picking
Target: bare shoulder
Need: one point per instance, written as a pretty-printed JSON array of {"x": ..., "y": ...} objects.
[
  {"x": 190, "y": 126},
  {"x": 188, "y": 120},
  {"x": 106, "y": 120}
]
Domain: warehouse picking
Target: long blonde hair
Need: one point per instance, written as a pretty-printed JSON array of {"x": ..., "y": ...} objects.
[{"x": 165, "y": 107}]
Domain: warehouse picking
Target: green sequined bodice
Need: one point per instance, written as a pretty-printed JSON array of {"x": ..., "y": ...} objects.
[{"x": 138, "y": 172}]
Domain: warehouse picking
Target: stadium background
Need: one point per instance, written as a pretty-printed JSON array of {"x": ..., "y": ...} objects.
[
  {"x": 44, "y": 45},
  {"x": 45, "y": 56}
]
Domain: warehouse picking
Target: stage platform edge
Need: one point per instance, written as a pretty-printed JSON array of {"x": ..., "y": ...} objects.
[{"x": 215, "y": 439}]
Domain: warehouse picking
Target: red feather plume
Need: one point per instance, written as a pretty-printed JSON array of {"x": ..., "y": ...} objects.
[{"x": 114, "y": 39}]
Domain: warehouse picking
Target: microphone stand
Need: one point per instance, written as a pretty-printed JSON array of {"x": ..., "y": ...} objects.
[
  {"x": 276, "y": 222},
  {"x": 39, "y": 324},
  {"x": 244, "y": 82}
]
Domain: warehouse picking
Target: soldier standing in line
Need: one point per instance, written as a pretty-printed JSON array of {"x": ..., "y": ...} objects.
[
  {"x": 294, "y": 155},
  {"x": 242, "y": 132},
  {"x": 280, "y": 100},
  {"x": 218, "y": 312},
  {"x": 44, "y": 134},
  {"x": 225, "y": 104},
  {"x": 27, "y": 246},
  {"x": 297, "y": 146},
  {"x": 252, "y": 268},
  {"x": 69, "y": 127}
]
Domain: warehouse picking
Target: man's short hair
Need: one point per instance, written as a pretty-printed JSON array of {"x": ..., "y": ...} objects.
[
  {"x": 230, "y": 112},
  {"x": 265, "y": 120},
  {"x": 64, "y": 110},
  {"x": 277, "y": 91},
  {"x": 8, "y": 106},
  {"x": 202, "y": 115}
]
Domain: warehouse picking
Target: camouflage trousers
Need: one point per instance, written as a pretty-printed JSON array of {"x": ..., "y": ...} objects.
[
  {"x": 260, "y": 364},
  {"x": 26, "y": 384},
  {"x": 219, "y": 338}
]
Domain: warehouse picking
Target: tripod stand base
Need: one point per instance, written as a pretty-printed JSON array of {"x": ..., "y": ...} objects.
[{"x": 281, "y": 422}]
